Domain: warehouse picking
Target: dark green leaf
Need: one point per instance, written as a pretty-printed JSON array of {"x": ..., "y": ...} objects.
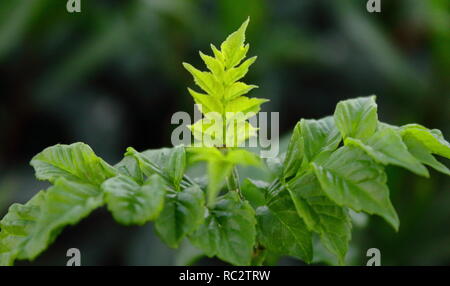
[
  {"x": 134, "y": 203},
  {"x": 183, "y": 213},
  {"x": 295, "y": 153},
  {"x": 74, "y": 162},
  {"x": 129, "y": 166},
  {"x": 229, "y": 231},
  {"x": 284, "y": 235},
  {"x": 321, "y": 215},
  {"x": 319, "y": 136},
  {"x": 281, "y": 230},
  {"x": 351, "y": 178},
  {"x": 169, "y": 163},
  {"x": 422, "y": 153},
  {"x": 254, "y": 191},
  {"x": 386, "y": 147}
]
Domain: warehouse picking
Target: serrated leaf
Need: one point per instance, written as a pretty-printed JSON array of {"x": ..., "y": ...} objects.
[
  {"x": 233, "y": 156},
  {"x": 357, "y": 117},
  {"x": 237, "y": 89},
  {"x": 225, "y": 108},
  {"x": 319, "y": 136},
  {"x": 66, "y": 203},
  {"x": 238, "y": 133},
  {"x": 183, "y": 213},
  {"x": 235, "y": 74},
  {"x": 220, "y": 165},
  {"x": 351, "y": 178},
  {"x": 242, "y": 157},
  {"x": 321, "y": 215},
  {"x": 229, "y": 231},
  {"x": 218, "y": 171},
  {"x": 74, "y": 162},
  {"x": 17, "y": 226},
  {"x": 422, "y": 153},
  {"x": 205, "y": 80},
  {"x": 432, "y": 139},
  {"x": 197, "y": 154},
  {"x": 209, "y": 130},
  {"x": 208, "y": 103},
  {"x": 244, "y": 105},
  {"x": 295, "y": 153},
  {"x": 254, "y": 191},
  {"x": 281, "y": 230},
  {"x": 129, "y": 166},
  {"x": 233, "y": 48},
  {"x": 213, "y": 64},
  {"x": 386, "y": 147},
  {"x": 133, "y": 203},
  {"x": 218, "y": 54},
  {"x": 169, "y": 163}
]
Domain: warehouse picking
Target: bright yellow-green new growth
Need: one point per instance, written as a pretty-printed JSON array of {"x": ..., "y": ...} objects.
[{"x": 225, "y": 108}]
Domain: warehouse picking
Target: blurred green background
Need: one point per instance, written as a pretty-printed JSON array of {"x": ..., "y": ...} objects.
[{"x": 111, "y": 76}]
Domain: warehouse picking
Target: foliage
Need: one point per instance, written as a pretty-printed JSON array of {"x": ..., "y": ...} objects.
[{"x": 332, "y": 165}]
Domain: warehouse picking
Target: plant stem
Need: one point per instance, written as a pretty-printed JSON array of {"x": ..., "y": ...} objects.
[
  {"x": 233, "y": 179},
  {"x": 258, "y": 255},
  {"x": 233, "y": 182}
]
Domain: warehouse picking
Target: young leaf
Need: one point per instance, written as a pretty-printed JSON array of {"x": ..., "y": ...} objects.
[
  {"x": 133, "y": 203},
  {"x": 254, "y": 191},
  {"x": 218, "y": 171},
  {"x": 295, "y": 153},
  {"x": 422, "y": 153},
  {"x": 281, "y": 230},
  {"x": 432, "y": 139},
  {"x": 74, "y": 162},
  {"x": 224, "y": 94},
  {"x": 204, "y": 80},
  {"x": 220, "y": 165},
  {"x": 213, "y": 64},
  {"x": 229, "y": 231},
  {"x": 206, "y": 103},
  {"x": 357, "y": 117},
  {"x": 236, "y": 73},
  {"x": 242, "y": 157},
  {"x": 183, "y": 213},
  {"x": 319, "y": 136},
  {"x": 169, "y": 163},
  {"x": 233, "y": 48},
  {"x": 238, "y": 133},
  {"x": 129, "y": 166},
  {"x": 237, "y": 89},
  {"x": 351, "y": 178},
  {"x": 321, "y": 215},
  {"x": 197, "y": 154},
  {"x": 244, "y": 105},
  {"x": 386, "y": 147}
]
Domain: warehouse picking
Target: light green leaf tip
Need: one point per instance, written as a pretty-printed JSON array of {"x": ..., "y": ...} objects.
[
  {"x": 357, "y": 117},
  {"x": 224, "y": 93}
]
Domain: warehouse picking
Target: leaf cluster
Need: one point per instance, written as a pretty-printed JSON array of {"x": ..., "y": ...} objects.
[{"x": 332, "y": 165}]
